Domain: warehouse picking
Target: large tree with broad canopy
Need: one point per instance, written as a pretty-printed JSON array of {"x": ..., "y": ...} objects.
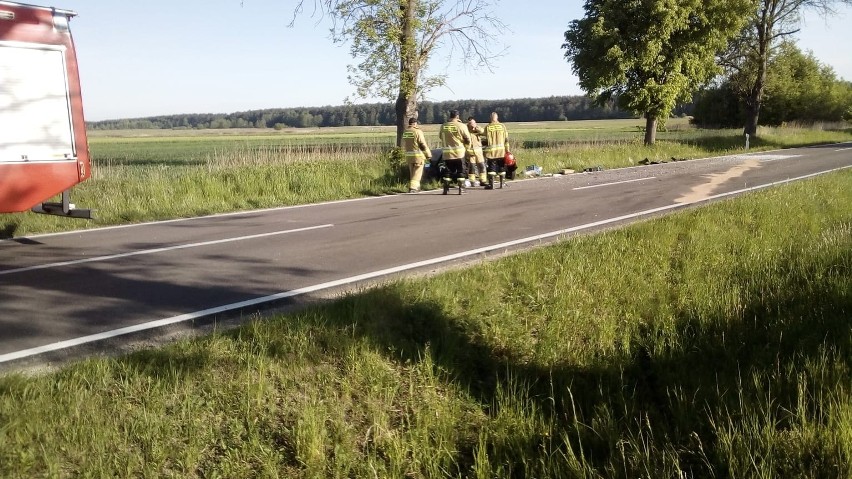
[
  {"x": 394, "y": 40},
  {"x": 650, "y": 55}
]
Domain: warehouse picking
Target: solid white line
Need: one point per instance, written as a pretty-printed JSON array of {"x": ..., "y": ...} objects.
[
  {"x": 375, "y": 274},
  {"x": 156, "y": 250},
  {"x": 614, "y": 183},
  {"x": 843, "y": 149}
]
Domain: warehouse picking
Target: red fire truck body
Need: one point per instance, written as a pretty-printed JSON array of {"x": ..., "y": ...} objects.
[{"x": 43, "y": 146}]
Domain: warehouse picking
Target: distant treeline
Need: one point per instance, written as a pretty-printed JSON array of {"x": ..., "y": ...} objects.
[{"x": 555, "y": 108}]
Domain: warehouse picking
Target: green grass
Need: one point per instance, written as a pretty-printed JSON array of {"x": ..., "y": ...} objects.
[
  {"x": 166, "y": 149},
  {"x": 222, "y": 181},
  {"x": 710, "y": 343},
  {"x": 146, "y": 175}
]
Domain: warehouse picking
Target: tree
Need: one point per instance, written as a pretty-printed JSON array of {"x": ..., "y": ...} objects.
[
  {"x": 395, "y": 39},
  {"x": 717, "y": 106},
  {"x": 748, "y": 54},
  {"x": 798, "y": 88},
  {"x": 650, "y": 55}
]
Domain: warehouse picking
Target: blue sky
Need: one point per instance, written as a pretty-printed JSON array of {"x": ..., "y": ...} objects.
[{"x": 160, "y": 57}]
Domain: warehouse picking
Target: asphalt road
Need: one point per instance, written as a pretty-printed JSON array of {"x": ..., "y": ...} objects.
[{"x": 75, "y": 290}]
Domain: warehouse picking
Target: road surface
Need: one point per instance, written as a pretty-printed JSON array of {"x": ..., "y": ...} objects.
[{"x": 76, "y": 291}]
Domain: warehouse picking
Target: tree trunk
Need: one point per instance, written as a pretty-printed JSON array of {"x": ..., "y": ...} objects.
[
  {"x": 755, "y": 98},
  {"x": 650, "y": 129},
  {"x": 405, "y": 107},
  {"x": 755, "y": 94},
  {"x": 401, "y": 115},
  {"x": 406, "y": 101},
  {"x": 752, "y": 109}
]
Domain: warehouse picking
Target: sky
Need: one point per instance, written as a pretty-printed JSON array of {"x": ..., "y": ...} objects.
[{"x": 163, "y": 57}]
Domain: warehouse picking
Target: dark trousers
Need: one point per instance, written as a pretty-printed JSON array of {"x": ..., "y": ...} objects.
[
  {"x": 456, "y": 169},
  {"x": 497, "y": 165}
]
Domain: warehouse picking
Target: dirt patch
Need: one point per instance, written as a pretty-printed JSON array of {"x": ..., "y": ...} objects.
[{"x": 705, "y": 190}]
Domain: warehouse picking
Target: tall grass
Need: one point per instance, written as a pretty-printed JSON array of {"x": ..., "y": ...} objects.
[
  {"x": 221, "y": 180},
  {"x": 710, "y": 343}
]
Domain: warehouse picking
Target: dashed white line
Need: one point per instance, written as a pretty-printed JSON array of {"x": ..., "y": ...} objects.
[
  {"x": 156, "y": 250},
  {"x": 614, "y": 183},
  {"x": 771, "y": 158}
]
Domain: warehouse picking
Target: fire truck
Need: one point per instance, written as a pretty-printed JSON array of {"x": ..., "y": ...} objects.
[{"x": 43, "y": 146}]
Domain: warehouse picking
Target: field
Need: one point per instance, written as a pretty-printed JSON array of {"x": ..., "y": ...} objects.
[
  {"x": 710, "y": 343},
  {"x": 147, "y": 175}
]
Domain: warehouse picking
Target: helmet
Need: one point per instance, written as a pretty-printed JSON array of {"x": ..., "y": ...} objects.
[{"x": 509, "y": 159}]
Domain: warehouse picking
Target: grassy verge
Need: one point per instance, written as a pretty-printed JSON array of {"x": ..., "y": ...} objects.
[
  {"x": 679, "y": 144},
  {"x": 710, "y": 343},
  {"x": 220, "y": 182}
]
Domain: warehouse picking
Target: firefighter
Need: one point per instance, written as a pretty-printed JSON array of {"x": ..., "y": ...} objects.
[
  {"x": 497, "y": 138},
  {"x": 454, "y": 138},
  {"x": 417, "y": 152},
  {"x": 476, "y": 161}
]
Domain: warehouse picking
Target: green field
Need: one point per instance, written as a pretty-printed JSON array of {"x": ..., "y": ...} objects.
[
  {"x": 714, "y": 342},
  {"x": 145, "y": 175}
]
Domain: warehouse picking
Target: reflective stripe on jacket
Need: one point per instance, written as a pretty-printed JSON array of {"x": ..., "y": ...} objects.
[
  {"x": 454, "y": 137},
  {"x": 414, "y": 144},
  {"x": 497, "y": 136}
]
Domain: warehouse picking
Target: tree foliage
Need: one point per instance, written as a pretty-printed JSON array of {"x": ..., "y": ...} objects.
[
  {"x": 650, "y": 55},
  {"x": 394, "y": 41},
  {"x": 556, "y": 108},
  {"x": 798, "y": 88},
  {"x": 802, "y": 88}
]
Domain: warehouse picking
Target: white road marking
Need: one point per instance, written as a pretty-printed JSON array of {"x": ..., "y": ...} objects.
[
  {"x": 768, "y": 158},
  {"x": 843, "y": 149},
  {"x": 614, "y": 183},
  {"x": 375, "y": 274},
  {"x": 156, "y": 250}
]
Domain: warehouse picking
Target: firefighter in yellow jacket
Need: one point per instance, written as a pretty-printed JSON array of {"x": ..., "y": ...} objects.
[
  {"x": 476, "y": 161},
  {"x": 417, "y": 152},
  {"x": 497, "y": 138},
  {"x": 454, "y": 138}
]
